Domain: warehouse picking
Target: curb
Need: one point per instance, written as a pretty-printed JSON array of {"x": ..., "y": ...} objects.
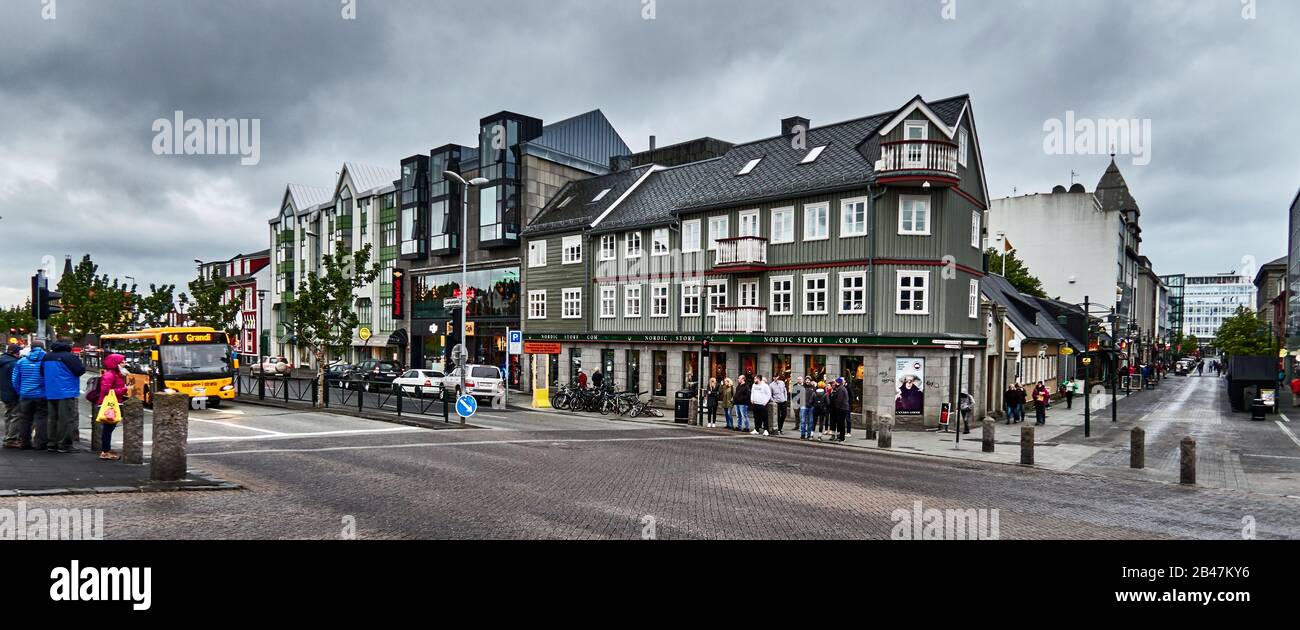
[{"x": 212, "y": 483}]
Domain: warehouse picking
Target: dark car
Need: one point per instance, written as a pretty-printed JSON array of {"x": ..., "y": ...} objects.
[
  {"x": 376, "y": 375},
  {"x": 339, "y": 372}
]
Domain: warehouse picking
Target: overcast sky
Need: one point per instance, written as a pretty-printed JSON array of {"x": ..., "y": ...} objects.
[{"x": 79, "y": 95}]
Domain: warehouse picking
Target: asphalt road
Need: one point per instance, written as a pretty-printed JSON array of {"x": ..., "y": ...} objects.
[{"x": 543, "y": 475}]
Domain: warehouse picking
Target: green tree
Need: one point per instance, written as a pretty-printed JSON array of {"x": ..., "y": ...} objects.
[
  {"x": 321, "y": 312},
  {"x": 17, "y": 319},
  {"x": 1244, "y": 335},
  {"x": 1187, "y": 345},
  {"x": 92, "y": 303},
  {"x": 1016, "y": 272},
  {"x": 152, "y": 309},
  {"x": 208, "y": 306}
]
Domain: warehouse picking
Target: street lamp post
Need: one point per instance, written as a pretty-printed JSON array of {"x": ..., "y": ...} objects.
[
  {"x": 261, "y": 306},
  {"x": 464, "y": 266}
]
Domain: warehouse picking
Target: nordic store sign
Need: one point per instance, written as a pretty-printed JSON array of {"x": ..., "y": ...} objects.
[{"x": 751, "y": 339}]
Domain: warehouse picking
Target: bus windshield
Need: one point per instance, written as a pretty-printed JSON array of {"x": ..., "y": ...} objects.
[{"x": 193, "y": 361}]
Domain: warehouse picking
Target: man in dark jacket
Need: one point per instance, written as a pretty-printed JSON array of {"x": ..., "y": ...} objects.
[
  {"x": 9, "y": 395},
  {"x": 62, "y": 371},
  {"x": 840, "y": 406},
  {"x": 29, "y": 384},
  {"x": 741, "y": 400}
]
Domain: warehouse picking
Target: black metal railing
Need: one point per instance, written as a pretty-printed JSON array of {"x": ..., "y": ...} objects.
[{"x": 348, "y": 394}]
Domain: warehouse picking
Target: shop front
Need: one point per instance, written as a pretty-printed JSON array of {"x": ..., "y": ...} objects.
[{"x": 492, "y": 305}]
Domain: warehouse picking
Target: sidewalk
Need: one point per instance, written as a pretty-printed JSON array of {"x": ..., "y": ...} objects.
[{"x": 38, "y": 473}]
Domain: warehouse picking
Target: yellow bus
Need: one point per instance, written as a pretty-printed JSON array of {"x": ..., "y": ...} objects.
[{"x": 197, "y": 362}]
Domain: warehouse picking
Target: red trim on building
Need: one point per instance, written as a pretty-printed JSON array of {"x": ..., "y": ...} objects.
[
  {"x": 951, "y": 181},
  {"x": 722, "y": 271},
  {"x": 965, "y": 195}
]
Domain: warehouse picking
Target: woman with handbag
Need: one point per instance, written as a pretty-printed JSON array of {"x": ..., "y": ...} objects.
[{"x": 112, "y": 379}]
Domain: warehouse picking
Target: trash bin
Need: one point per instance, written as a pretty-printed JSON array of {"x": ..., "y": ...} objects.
[
  {"x": 1258, "y": 409},
  {"x": 682, "y": 406}
]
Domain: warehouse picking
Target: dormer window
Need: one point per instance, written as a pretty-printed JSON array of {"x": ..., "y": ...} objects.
[
  {"x": 813, "y": 155},
  {"x": 749, "y": 168},
  {"x": 601, "y": 195}
]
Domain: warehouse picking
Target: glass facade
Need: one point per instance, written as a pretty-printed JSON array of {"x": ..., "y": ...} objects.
[{"x": 496, "y": 293}]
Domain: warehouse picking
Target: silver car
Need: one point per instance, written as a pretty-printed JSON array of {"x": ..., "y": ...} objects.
[{"x": 481, "y": 381}]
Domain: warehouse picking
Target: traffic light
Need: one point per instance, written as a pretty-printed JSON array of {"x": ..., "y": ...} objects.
[
  {"x": 49, "y": 303},
  {"x": 704, "y": 347}
]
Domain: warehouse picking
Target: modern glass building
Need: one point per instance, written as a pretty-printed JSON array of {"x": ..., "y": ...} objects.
[{"x": 1208, "y": 300}]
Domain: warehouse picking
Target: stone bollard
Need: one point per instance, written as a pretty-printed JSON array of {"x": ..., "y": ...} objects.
[
  {"x": 1187, "y": 462},
  {"x": 133, "y": 431},
  {"x": 171, "y": 420},
  {"x": 96, "y": 430},
  {"x": 885, "y": 433},
  {"x": 868, "y": 428},
  {"x": 990, "y": 429},
  {"x": 1027, "y": 445},
  {"x": 1137, "y": 448}
]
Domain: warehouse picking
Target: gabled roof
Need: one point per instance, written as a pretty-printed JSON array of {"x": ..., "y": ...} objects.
[
  {"x": 581, "y": 209},
  {"x": 588, "y": 136},
  {"x": 367, "y": 179},
  {"x": 655, "y": 200},
  {"x": 304, "y": 197},
  {"x": 1024, "y": 311},
  {"x": 951, "y": 108},
  {"x": 1279, "y": 264}
]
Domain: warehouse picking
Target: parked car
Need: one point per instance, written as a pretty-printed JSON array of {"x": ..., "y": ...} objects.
[
  {"x": 481, "y": 381},
  {"x": 429, "y": 382},
  {"x": 375, "y": 375},
  {"x": 338, "y": 372},
  {"x": 272, "y": 366}
]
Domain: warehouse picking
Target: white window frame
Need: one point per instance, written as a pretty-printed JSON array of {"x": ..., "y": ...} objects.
[
  {"x": 535, "y": 248},
  {"x": 609, "y": 247},
  {"x": 697, "y": 291},
  {"x": 660, "y": 236},
  {"x": 571, "y": 297},
  {"x": 691, "y": 231},
  {"x": 655, "y": 291},
  {"x": 608, "y": 297},
  {"x": 973, "y": 307},
  {"x": 627, "y": 245},
  {"x": 632, "y": 301},
  {"x": 825, "y": 291},
  {"x": 908, "y": 126},
  {"x": 898, "y": 292},
  {"x": 758, "y": 223},
  {"x": 772, "y": 292},
  {"x": 719, "y": 228},
  {"x": 787, "y": 213},
  {"x": 717, "y": 289},
  {"x": 533, "y": 303},
  {"x": 567, "y": 247},
  {"x": 839, "y": 302},
  {"x": 845, "y": 232},
  {"x": 902, "y": 202},
  {"x": 963, "y": 142},
  {"x": 808, "y": 209},
  {"x": 975, "y": 220}
]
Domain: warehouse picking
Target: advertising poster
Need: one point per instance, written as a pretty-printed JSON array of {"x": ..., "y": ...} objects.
[{"x": 909, "y": 381}]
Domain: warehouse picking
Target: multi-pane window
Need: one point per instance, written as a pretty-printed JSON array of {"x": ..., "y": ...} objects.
[
  {"x": 853, "y": 217},
  {"x": 816, "y": 221},
  {"x": 608, "y": 243},
  {"x": 632, "y": 300},
  {"x": 962, "y": 141},
  {"x": 691, "y": 236},
  {"x": 537, "y": 253},
  {"x": 572, "y": 250},
  {"x": 633, "y": 245},
  {"x": 659, "y": 300},
  {"x": 659, "y": 242},
  {"x": 853, "y": 292},
  {"x": 691, "y": 299},
  {"x": 782, "y": 225},
  {"x": 913, "y": 292},
  {"x": 719, "y": 228},
  {"x": 608, "y": 302},
  {"x": 537, "y": 304},
  {"x": 717, "y": 296},
  {"x": 973, "y": 307},
  {"x": 781, "y": 295},
  {"x": 913, "y": 214},
  {"x": 571, "y": 305},
  {"x": 814, "y": 294},
  {"x": 975, "y": 229}
]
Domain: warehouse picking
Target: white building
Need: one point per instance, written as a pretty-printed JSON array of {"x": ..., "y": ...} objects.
[{"x": 1208, "y": 300}]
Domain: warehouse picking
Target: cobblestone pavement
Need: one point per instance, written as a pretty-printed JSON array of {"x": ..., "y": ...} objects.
[{"x": 539, "y": 476}]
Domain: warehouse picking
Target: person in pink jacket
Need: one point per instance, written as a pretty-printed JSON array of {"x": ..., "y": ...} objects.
[{"x": 111, "y": 379}]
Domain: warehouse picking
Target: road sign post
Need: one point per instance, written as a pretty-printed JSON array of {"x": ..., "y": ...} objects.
[{"x": 466, "y": 405}]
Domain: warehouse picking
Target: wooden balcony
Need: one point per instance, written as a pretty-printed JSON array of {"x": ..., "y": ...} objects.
[
  {"x": 740, "y": 319},
  {"x": 741, "y": 251},
  {"x": 934, "y": 160}
]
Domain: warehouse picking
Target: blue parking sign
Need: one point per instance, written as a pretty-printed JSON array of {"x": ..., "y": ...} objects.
[{"x": 466, "y": 406}]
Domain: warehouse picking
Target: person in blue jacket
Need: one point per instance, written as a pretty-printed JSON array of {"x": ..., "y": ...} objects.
[
  {"x": 62, "y": 370},
  {"x": 30, "y": 385}
]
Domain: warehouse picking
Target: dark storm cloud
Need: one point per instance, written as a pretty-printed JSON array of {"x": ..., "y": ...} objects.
[{"x": 78, "y": 95}]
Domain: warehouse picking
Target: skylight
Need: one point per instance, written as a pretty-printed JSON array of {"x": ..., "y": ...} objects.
[
  {"x": 565, "y": 202},
  {"x": 813, "y": 155},
  {"x": 750, "y": 167},
  {"x": 601, "y": 195}
]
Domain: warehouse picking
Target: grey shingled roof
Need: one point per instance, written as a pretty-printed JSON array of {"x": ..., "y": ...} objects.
[
  {"x": 1025, "y": 313},
  {"x": 581, "y": 211},
  {"x": 657, "y": 198},
  {"x": 1112, "y": 191}
]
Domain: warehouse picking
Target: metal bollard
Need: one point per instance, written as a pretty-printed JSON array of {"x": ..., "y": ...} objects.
[
  {"x": 171, "y": 420},
  {"x": 399, "y": 398},
  {"x": 1187, "y": 462},
  {"x": 1027, "y": 445},
  {"x": 990, "y": 429},
  {"x": 884, "y": 433},
  {"x": 445, "y": 417},
  {"x": 133, "y": 431},
  {"x": 1137, "y": 448}
]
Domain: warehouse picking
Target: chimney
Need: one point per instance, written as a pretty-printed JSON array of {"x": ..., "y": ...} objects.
[
  {"x": 652, "y": 143},
  {"x": 788, "y": 124}
]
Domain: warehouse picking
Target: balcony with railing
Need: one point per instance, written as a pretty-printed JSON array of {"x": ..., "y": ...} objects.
[
  {"x": 741, "y": 252},
  {"x": 925, "y": 158},
  {"x": 740, "y": 319}
]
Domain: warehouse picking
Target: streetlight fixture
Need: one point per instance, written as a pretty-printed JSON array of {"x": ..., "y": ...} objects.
[
  {"x": 261, "y": 301},
  {"x": 464, "y": 265}
]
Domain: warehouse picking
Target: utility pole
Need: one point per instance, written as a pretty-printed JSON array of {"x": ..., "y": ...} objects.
[
  {"x": 1087, "y": 362},
  {"x": 1114, "y": 372}
]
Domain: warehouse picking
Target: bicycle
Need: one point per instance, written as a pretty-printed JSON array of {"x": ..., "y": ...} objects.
[{"x": 642, "y": 408}]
